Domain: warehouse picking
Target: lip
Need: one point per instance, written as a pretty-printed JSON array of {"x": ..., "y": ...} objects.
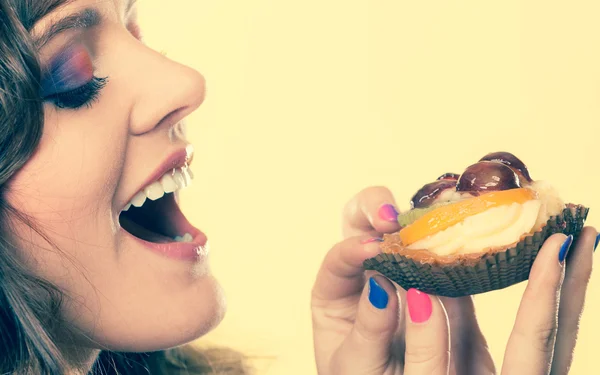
[
  {"x": 178, "y": 159},
  {"x": 197, "y": 249},
  {"x": 186, "y": 251}
]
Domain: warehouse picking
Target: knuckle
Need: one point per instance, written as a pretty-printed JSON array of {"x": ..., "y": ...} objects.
[
  {"x": 544, "y": 338},
  {"x": 316, "y": 299},
  {"x": 355, "y": 210},
  {"x": 429, "y": 355},
  {"x": 541, "y": 337},
  {"x": 368, "y": 335}
]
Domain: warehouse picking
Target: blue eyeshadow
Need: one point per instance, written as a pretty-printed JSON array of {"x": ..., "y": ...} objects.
[{"x": 70, "y": 70}]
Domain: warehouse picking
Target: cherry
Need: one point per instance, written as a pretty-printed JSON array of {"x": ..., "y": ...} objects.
[
  {"x": 488, "y": 176},
  {"x": 511, "y": 160},
  {"x": 428, "y": 193},
  {"x": 449, "y": 176}
]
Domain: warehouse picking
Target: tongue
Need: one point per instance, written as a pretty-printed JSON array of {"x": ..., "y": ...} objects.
[{"x": 144, "y": 233}]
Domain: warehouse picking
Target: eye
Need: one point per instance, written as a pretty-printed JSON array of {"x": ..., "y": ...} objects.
[
  {"x": 82, "y": 96},
  {"x": 70, "y": 80}
]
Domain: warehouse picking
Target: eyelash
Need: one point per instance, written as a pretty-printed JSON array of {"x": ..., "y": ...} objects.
[{"x": 82, "y": 96}]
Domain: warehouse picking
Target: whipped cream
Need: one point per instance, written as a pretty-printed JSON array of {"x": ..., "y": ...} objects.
[{"x": 496, "y": 227}]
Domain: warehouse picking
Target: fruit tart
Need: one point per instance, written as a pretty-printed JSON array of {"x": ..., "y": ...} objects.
[{"x": 475, "y": 232}]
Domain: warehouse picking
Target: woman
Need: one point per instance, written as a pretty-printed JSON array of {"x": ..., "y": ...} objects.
[{"x": 89, "y": 284}]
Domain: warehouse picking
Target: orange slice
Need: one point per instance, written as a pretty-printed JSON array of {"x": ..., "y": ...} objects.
[{"x": 447, "y": 216}]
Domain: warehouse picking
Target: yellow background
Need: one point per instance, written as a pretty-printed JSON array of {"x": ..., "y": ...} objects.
[{"x": 310, "y": 101}]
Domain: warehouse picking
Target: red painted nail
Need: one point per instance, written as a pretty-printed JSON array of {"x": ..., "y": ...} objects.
[
  {"x": 419, "y": 306},
  {"x": 370, "y": 240},
  {"x": 388, "y": 212}
]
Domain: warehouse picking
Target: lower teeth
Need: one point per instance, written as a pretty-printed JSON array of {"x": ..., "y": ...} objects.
[{"x": 185, "y": 238}]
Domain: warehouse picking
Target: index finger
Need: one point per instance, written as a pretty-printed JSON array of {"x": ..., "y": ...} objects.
[
  {"x": 341, "y": 274},
  {"x": 373, "y": 209}
]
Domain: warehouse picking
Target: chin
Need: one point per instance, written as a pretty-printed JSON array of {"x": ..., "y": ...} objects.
[{"x": 161, "y": 325}]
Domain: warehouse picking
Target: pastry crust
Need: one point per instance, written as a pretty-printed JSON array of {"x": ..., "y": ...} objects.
[{"x": 393, "y": 245}]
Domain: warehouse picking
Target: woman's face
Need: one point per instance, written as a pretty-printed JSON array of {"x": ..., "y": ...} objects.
[{"x": 131, "y": 285}]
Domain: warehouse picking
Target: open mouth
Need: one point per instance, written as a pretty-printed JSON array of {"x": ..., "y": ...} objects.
[{"x": 153, "y": 214}]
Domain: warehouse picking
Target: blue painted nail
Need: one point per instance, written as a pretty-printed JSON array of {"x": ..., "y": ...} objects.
[
  {"x": 564, "y": 249},
  {"x": 377, "y": 295},
  {"x": 597, "y": 242}
]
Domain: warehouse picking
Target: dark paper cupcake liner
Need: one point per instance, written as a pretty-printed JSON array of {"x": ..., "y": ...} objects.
[{"x": 492, "y": 271}]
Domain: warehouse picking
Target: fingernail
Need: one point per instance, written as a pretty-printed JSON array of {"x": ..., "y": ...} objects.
[
  {"x": 597, "y": 242},
  {"x": 377, "y": 295},
  {"x": 419, "y": 306},
  {"x": 564, "y": 249},
  {"x": 388, "y": 212},
  {"x": 371, "y": 240}
]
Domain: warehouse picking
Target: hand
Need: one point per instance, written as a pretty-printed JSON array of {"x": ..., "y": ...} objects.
[
  {"x": 545, "y": 331},
  {"x": 353, "y": 336}
]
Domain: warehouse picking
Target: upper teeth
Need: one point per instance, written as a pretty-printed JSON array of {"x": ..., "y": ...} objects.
[{"x": 170, "y": 182}]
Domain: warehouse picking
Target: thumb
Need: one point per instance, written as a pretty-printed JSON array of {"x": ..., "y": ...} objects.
[
  {"x": 366, "y": 350},
  {"x": 427, "y": 335}
]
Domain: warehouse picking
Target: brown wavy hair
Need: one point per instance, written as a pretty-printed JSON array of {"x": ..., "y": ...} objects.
[{"x": 29, "y": 306}]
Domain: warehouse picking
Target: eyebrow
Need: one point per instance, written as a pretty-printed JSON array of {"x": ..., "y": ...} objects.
[{"x": 84, "y": 19}]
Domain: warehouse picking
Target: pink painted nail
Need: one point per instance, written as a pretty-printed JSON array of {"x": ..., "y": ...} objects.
[
  {"x": 371, "y": 240},
  {"x": 419, "y": 306},
  {"x": 388, "y": 212}
]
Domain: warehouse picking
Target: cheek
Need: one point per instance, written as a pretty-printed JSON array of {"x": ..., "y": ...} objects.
[
  {"x": 72, "y": 177},
  {"x": 68, "y": 185},
  {"x": 67, "y": 189}
]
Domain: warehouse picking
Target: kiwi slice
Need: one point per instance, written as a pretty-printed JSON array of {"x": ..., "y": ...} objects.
[{"x": 409, "y": 217}]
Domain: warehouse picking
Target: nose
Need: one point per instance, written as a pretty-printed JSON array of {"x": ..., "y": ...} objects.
[{"x": 165, "y": 91}]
